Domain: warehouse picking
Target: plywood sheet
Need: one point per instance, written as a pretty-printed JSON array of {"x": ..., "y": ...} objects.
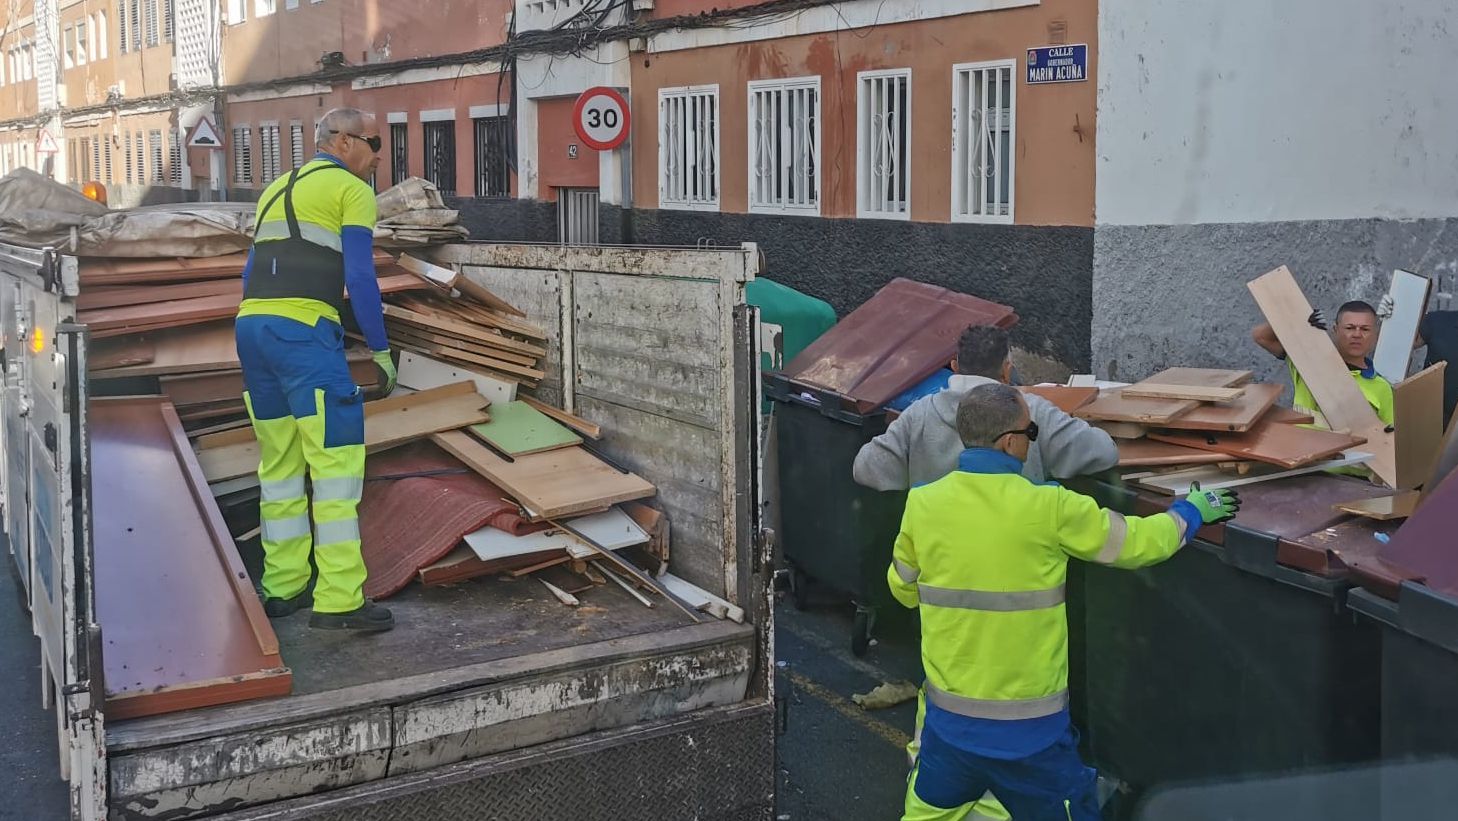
[
  {"x": 1111, "y": 406},
  {"x": 420, "y": 372},
  {"x": 1409, "y": 294},
  {"x": 439, "y": 323},
  {"x": 1322, "y": 368},
  {"x": 1212, "y": 477},
  {"x": 1195, "y": 393},
  {"x": 1147, "y": 452},
  {"x": 519, "y": 429},
  {"x": 509, "y": 370},
  {"x": 163, "y": 551},
  {"x": 1065, "y": 399},
  {"x": 209, "y": 347},
  {"x": 1399, "y": 505},
  {"x": 1417, "y": 417},
  {"x": 1288, "y": 416},
  {"x": 589, "y": 429},
  {"x": 552, "y": 484},
  {"x": 94, "y": 298},
  {"x": 1238, "y": 415},
  {"x": 1286, "y": 446},
  {"x": 460, "y": 282}
]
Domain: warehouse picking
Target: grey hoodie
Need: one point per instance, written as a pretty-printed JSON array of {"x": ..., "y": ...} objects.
[{"x": 922, "y": 445}]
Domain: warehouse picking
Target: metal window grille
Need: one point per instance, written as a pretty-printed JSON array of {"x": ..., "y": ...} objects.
[
  {"x": 149, "y": 17},
  {"x": 493, "y": 147},
  {"x": 440, "y": 155},
  {"x": 96, "y": 158},
  {"x": 883, "y": 132},
  {"x": 106, "y": 161},
  {"x": 270, "y": 159},
  {"x": 982, "y": 142},
  {"x": 399, "y": 153},
  {"x": 154, "y": 148},
  {"x": 127, "y": 157},
  {"x": 577, "y": 221},
  {"x": 688, "y": 147},
  {"x": 784, "y": 145},
  {"x": 121, "y": 26},
  {"x": 243, "y": 155},
  {"x": 73, "y": 168},
  {"x": 169, "y": 18},
  {"x": 83, "y": 157},
  {"x": 141, "y": 159},
  {"x": 296, "y": 144},
  {"x": 174, "y": 156},
  {"x": 136, "y": 21}
]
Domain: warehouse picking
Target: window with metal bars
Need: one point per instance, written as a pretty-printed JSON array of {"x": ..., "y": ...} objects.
[
  {"x": 154, "y": 149},
  {"x": 493, "y": 148},
  {"x": 96, "y": 159},
  {"x": 784, "y": 145},
  {"x": 127, "y": 157},
  {"x": 688, "y": 147},
  {"x": 983, "y": 126},
  {"x": 174, "y": 156},
  {"x": 141, "y": 159},
  {"x": 83, "y": 156},
  {"x": 270, "y": 154},
  {"x": 73, "y": 167},
  {"x": 136, "y": 23},
  {"x": 399, "y": 153},
  {"x": 296, "y": 144},
  {"x": 440, "y": 155},
  {"x": 149, "y": 21},
  {"x": 106, "y": 161},
  {"x": 169, "y": 18},
  {"x": 883, "y": 144},
  {"x": 243, "y": 155},
  {"x": 121, "y": 26}
]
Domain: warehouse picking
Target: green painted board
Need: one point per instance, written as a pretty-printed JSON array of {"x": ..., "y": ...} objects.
[{"x": 517, "y": 428}]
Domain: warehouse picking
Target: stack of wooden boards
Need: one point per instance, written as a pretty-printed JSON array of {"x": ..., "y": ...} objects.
[{"x": 1213, "y": 426}]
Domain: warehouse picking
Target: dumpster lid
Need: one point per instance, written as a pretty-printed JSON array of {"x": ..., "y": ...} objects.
[
  {"x": 897, "y": 338},
  {"x": 1423, "y": 546}
]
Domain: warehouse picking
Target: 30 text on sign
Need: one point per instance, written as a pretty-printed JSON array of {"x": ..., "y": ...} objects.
[{"x": 600, "y": 118}]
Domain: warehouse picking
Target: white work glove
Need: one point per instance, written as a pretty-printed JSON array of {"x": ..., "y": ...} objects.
[{"x": 1386, "y": 307}]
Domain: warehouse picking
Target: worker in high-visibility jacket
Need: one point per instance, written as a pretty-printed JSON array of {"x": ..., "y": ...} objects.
[
  {"x": 313, "y": 240},
  {"x": 983, "y": 553}
]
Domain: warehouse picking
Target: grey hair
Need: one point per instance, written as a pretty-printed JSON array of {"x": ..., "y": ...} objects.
[
  {"x": 339, "y": 121},
  {"x": 986, "y": 412}
]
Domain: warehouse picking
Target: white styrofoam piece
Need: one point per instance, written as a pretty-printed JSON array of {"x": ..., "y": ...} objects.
[
  {"x": 1081, "y": 380},
  {"x": 421, "y": 373},
  {"x": 1409, "y": 294},
  {"x": 614, "y": 530},
  {"x": 701, "y": 599}
]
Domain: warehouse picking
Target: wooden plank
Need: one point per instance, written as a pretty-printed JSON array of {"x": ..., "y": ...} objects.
[
  {"x": 1110, "y": 406},
  {"x": 388, "y": 422},
  {"x": 424, "y": 337},
  {"x": 518, "y": 429},
  {"x": 209, "y": 347},
  {"x": 460, "y": 282},
  {"x": 461, "y": 328},
  {"x": 1239, "y": 415},
  {"x": 1208, "y": 377},
  {"x": 420, "y": 372},
  {"x": 95, "y": 298},
  {"x": 1288, "y": 416},
  {"x": 1139, "y": 452},
  {"x": 1409, "y": 294},
  {"x": 702, "y": 599},
  {"x": 554, "y": 483},
  {"x": 1152, "y": 390},
  {"x": 1399, "y": 505},
  {"x": 1212, "y": 477},
  {"x": 470, "y": 358},
  {"x": 1322, "y": 368},
  {"x": 577, "y": 423},
  {"x": 119, "y": 353},
  {"x": 1286, "y": 446},
  {"x": 1417, "y": 417},
  {"x": 446, "y": 307},
  {"x": 1064, "y": 398}
]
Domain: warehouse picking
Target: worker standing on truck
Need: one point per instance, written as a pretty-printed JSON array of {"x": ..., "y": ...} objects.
[
  {"x": 983, "y": 554},
  {"x": 313, "y": 240},
  {"x": 1356, "y": 338},
  {"x": 923, "y": 445}
]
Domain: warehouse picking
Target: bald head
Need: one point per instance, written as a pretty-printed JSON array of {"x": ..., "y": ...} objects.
[
  {"x": 339, "y": 122},
  {"x": 987, "y": 412},
  {"x": 347, "y": 133}
]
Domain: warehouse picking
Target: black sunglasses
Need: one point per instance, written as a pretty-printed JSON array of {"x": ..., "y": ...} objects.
[
  {"x": 374, "y": 142},
  {"x": 1031, "y": 431}
]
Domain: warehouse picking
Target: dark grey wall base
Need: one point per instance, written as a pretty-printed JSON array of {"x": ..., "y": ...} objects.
[
  {"x": 1175, "y": 295},
  {"x": 507, "y": 220}
]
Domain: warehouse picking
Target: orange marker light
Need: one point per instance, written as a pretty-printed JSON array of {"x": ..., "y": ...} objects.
[
  {"x": 37, "y": 341},
  {"x": 94, "y": 191}
]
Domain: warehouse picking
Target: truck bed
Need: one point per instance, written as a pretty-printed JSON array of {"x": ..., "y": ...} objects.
[{"x": 470, "y": 670}]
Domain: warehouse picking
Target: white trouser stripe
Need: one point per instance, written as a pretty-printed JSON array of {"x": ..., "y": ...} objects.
[
  {"x": 1114, "y": 544},
  {"x": 1001, "y": 602},
  {"x": 282, "y": 490},
  {"x": 338, "y": 488},
  {"x": 342, "y": 530},
  {"x": 1003, "y": 710},
  {"x": 278, "y": 530}
]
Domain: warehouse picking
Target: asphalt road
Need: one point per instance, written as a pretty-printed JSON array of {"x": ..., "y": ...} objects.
[{"x": 30, "y": 784}]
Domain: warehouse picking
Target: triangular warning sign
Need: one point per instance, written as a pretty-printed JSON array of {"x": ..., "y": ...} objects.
[
  {"x": 204, "y": 135},
  {"x": 46, "y": 144}
]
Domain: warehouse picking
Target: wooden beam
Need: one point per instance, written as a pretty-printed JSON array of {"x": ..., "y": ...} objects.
[
  {"x": 461, "y": 328},
  {"x": 1148, "y": 390},
  {"x": 577, "y": 423},
  {"x": 1321, "y": 367}
]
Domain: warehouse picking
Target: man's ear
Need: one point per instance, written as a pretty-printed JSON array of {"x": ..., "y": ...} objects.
[
  {"x": 1007, "y": 371},
  {"x": 953, "y": 365}
]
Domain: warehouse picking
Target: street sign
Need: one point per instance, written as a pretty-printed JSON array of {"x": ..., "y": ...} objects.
[
  {"x": 600, "y": 118},
  {"x": 1058, "y": 64},
  {"x": 46, "y": 144},
  {"x": 204, "y": 135}
]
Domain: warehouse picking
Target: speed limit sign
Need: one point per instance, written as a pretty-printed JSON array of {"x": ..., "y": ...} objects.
[{"x": 600, "y": 118}]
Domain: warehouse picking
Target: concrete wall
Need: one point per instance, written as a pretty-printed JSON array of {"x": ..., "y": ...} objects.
[{"x": 1238, "y": 136}]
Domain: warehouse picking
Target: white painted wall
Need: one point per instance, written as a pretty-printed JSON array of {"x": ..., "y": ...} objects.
[{"x": 1276, "y": 110}]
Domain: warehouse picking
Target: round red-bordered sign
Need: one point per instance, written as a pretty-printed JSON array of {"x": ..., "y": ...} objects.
[{"x": 600, "y": 118}]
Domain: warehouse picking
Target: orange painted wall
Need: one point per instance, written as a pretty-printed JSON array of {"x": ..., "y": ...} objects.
[
  {"x": 554, "y": 134},
  {"x": 1055, "y": 168},
  {"x": 289, "y": 42}
]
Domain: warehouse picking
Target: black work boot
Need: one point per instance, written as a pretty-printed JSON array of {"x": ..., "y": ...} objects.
[
  {"x": 368, "y": 617},
  {"x": 278, "y": 608}
]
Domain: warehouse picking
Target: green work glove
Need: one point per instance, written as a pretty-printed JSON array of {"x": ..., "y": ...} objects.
[
  {"x": 386, "y": 367},
  {"x": 1214, "y": 505}
]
